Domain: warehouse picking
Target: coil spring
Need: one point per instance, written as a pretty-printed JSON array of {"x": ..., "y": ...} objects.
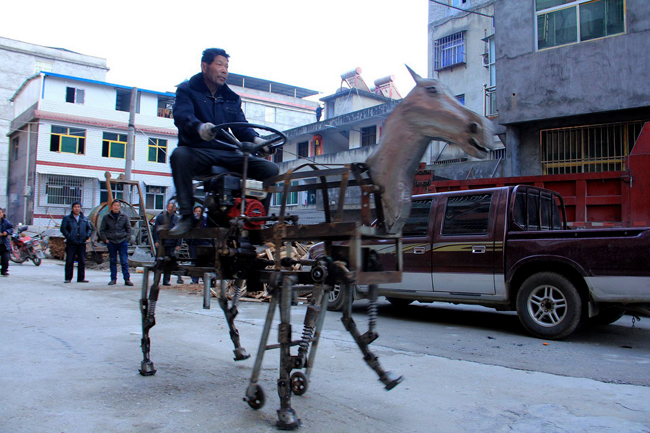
[
  {"x": 307, "y": 334},
  {"x": 236, "y": 295},
  {"x": 152, "y": 309},
  {"x": 372, "y": 314}
]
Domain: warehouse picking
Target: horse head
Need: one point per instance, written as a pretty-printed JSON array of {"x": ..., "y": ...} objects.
[{"x": 428, "y": 112}]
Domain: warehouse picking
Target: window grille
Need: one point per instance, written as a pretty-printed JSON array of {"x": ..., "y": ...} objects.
[
  {"x": 561, "y": 22},
  {"x": 157, "y": 150},
  {"x": 588, "y": 149},
  {"x": 449, "y": 51},
  {"x": 62, "y": 190},
  {"x": 67, "y": 140}
]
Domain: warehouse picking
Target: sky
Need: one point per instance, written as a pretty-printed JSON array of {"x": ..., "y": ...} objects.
[{"x": 157, "y": 44}]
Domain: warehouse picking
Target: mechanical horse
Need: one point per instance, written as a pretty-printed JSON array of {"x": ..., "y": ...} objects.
[{"x": 384, "y": 182}]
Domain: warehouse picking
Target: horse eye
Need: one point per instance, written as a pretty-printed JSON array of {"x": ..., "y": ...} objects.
[{"x": 432, "y": 90}]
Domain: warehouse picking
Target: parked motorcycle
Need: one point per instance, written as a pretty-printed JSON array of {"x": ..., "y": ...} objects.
[{"x": 24, "y": 247}]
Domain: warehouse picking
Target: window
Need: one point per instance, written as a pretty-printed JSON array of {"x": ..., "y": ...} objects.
[
  {"x": 418, "y": 222},
  {"x": 63, "y": 190},
  {"x": 489, "y": 61},
  {"x": 67, "y": 140},
  {"x": 292, "y": 200},
  {"x": 114, "y": 145},
  {"x": 303, "y": 149},
  {"x": 588, "y": 149},
  {"x": 74, "y": 96},
  {"x": 165, "y": 105},
  {"x": 157, "y": 150},
  {"x": 277, "y": 156},
  {"x": 449, "y": 51},
  {"x": 536, "y": 210},
  {"x": 561, "y": 22},
  {"x": 467, "y": 215},
  {"x": 117, "y": 189},
  {"x": 461, "y": 99},
  {"x": 368, "y": 135},
  {"x": 42, "y": 66},
  {"x": 13, "y": 153},
  {"x": 155, "y": 197}
]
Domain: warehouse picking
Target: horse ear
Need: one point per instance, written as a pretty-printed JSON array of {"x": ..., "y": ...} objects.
[{"x": 415, "y": 76}]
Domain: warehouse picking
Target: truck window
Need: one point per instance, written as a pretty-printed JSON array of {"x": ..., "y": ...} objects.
[
  {"x": 537, "y": 210},
  {"x": 467, "y": 215},
  {"x": 418, "y": 222}
]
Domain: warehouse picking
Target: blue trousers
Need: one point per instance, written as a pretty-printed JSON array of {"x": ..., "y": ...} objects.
[{"x": 121, "y": 249}]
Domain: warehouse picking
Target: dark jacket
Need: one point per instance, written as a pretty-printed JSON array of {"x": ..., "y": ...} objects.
[
  {"x": 6, "y": 226},
  {"x": 195, "y": 105},
  {"x": 115, "y": 229},
  {"x": 76, "y": 233},
  {"x": 163, "y": 222}
]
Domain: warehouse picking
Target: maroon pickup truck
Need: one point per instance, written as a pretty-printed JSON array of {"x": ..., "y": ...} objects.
[{"x": 509, "y": 248}]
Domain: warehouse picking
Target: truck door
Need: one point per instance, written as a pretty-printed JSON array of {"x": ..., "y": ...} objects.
[
  {"x": 465, "y": 250},
  {"x": 416, "y": 249}
]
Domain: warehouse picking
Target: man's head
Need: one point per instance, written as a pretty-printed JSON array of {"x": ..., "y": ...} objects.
[
  {"x": 76, "y": 208},
  {"x": 214, "y": 65},
  {"x": 115, "y": 206},
  {"x": 2, "y": 213},
  {"x": 171, "y": 207},
  {"x": 198, "y": 211}
]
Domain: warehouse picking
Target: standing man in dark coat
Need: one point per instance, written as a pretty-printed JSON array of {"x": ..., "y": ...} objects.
[
  {"x": 167, "y": 220},
  {"x": 115, "y": 231},
  {"x": 201, "y": 103},
  {"x": 76, "y": 229},
  {"x": 6, "y": 230}
]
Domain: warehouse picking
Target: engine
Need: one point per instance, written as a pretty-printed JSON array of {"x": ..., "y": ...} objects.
[{"x": 223, "y": 198}]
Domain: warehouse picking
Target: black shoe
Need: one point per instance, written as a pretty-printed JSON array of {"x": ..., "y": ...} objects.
[
  {"x": 5, "y": 274},
  {"x": 66, "y": 281},
  {"x": 112, "y": 283},
  {"x": 166, "y": 284},
  {"x": 83, "y": 281},
  {"x": 184, "y": 225},
  {"x": 128, "y": 283}
]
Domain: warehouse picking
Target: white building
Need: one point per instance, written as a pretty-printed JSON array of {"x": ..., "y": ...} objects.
[
  {"x": 74, "y": 130},
  {"x": 20, "y": 60}
]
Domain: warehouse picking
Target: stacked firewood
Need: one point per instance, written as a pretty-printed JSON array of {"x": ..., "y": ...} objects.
[{"x": 57, "y": 247}]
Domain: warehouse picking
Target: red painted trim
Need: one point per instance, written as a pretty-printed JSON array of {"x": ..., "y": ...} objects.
[
  {"x": 46, "y": 216},
  {"x": 98, "y": 122},
  {"x": 98, "y": 168}
]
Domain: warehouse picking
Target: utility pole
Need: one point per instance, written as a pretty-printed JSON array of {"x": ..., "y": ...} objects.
[{"x": 130, "y": 139}]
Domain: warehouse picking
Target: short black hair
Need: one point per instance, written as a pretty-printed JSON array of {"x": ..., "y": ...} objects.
[
  {"x": 115, "y": 201},
  {"x": 210, "y": 53},
  {"x": 74, "y": 203},
  {"x": 197, "y": 206}
]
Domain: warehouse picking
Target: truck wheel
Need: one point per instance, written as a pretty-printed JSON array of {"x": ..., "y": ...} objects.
[
  {"x": 399, "y": 302},
  {"x": 549, "y": 306},
  {"x": 335, "y": 299}
]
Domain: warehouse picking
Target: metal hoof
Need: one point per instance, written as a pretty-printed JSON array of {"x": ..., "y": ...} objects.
[
  {"x": 391, "y": 381},
  {"x": 240, "y": 354},
  {"x": 287, "y": 420},
  {"x": 146, "y": 368}
]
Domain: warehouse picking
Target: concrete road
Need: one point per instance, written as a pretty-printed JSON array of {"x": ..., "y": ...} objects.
[{"x": 70, "y": 353}]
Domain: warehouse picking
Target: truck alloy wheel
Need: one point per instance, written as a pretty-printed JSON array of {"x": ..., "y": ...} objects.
[{"x": 549, "y": 306}]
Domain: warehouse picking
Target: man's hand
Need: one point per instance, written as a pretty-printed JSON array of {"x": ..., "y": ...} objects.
[
  {"x": 265, "y": 151},
  {"x": 156, "y": 244},
  {"x": 206, "y": 132}
]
